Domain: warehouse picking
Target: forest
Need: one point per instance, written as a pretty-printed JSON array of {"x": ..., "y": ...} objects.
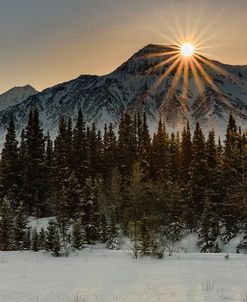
[{"x": 98, "y": 186}]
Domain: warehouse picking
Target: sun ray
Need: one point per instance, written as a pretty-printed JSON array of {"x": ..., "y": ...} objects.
[
  {"x": 206, "y": 76},
  {"x": 176, "y": 77},
  {"x": 162, "y": 63},
  {"x": 197, "y": 80},
  {"x": 189, "y": 62},
  {"x": 165, "y": 74},
  {"x": 186, "y": 79},
  {"x": 223, "y": 72},
  {"x": 212, "y": 65},
  {"x": 161, "y": 54},
  {"x": 174, "y": 82}
]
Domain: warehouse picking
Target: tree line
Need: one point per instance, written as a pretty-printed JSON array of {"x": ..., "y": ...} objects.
[{"x": 97, "y": 185}]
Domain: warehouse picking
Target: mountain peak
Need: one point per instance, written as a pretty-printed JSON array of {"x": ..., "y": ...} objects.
[
  {"x": 156, "y": 48},
  {"x": 16, "y": 95},
  {"x": 19, "y": 89},
  {"x": 146, "y": 58}
]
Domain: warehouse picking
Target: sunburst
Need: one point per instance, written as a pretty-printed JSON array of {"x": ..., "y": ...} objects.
[
  {"x": 186, "y": 59},
  {"x": 187, "y": 50}
]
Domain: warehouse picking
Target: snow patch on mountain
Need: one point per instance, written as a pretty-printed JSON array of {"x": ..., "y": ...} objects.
[{"x": 15, "y": 96}]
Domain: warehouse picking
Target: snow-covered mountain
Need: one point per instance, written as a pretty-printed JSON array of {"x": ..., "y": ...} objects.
[
  {"x": 15, "y": 96},
  {"x": 138, "y": 85}
]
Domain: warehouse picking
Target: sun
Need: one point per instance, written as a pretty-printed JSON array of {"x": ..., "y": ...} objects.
[{"x": 187, "y": 50}]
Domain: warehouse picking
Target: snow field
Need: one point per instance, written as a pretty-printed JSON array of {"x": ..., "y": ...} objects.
[{"x": 99, "y": 275}]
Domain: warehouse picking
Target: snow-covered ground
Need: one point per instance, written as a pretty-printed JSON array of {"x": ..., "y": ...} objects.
[{"x": 99, "y": 275}]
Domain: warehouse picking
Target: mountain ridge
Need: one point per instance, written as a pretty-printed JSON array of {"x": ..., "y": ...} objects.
[
  {"x": 137, "y": 85},
  {"x": 16, "y": 95}
]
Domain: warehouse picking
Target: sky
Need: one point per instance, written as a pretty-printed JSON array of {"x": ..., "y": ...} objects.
[{"x": 45, "y": 42}]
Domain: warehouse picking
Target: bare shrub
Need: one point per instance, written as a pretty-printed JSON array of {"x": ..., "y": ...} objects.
[
  {"x": 3, "y": 259},
  {"x": 244, "y": 297},
  {"x": 77, "y": 297},
  {"x": 208, "y": 285}
]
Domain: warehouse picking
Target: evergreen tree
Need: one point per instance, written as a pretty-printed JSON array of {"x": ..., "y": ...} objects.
[
  {"x": 109, "y": 161},
  {"x": 80, "y": 149},
  {"x": 160, "y": 155},
  {"x": 185, "y": 155},
  {"x": 60, "y": 159},
  {"x": 42, "y": 239},
  {"x": 52, "y": 229},
  {"x": 185, "y": 159},
  {"x": 68, "y": 144},
  {"x": 207, "y": 231},
  {"x": 112, "y": 233},
  {"x": 198, "y": 177},
  {"x": 144, "y": 146},
  {"x": 27, "y": 239},
  {"x": 50, "y": 174},
  {"x": 146, "y": 240},
  {"x": 89, "y": 209},
  {"x": 35, "y": 241},
  {"x": 243, "y": 186},
  {"x": 103, "y": 229},
  {"x": 10, "y": 166},
  {"x": 174, "y": 159},
  {"x": 94, "y": 151},
  {"x": 127, "y": 146},
  {"x": 35, "y": 181},
  {"x": 213, "y": 183},
  {"x": 6, "y": 226},
  {"x": 231, "y": 180},
  {"x": 20, "y": 228},
  {"x": 78, "y": 234},
  {"x": 56, "y": 248}
]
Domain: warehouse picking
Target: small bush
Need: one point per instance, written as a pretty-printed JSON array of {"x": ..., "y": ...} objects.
[
  {"x": 77, "y": 298},
  {"x": 208, "y": 285}
]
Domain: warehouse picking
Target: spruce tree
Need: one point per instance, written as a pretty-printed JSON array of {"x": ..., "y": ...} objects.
[
  {"x": 50, "y": 174},
  {"x": 144, "y": 147},
  {"x": 231, "y": 180},
  {"x": 198, "y": 178},
  {"x": 68, "y": 143},
  {"x": 6, "y": 226},
  {"x": 10, "y": 166},
  {"x": 27, "y": 239},
  {"x": 35, "y": 241},
  {"x": 103, "y": 228},
  {"x": 127, "y": 146},
  {"x": 94, "y": 152},
  {"x": 80, "y": 149},
  {"x": 60, "y": 159},
  {"x": 213, "y": 183},
  {"x": 89, "y": 210},
  {"x": 207, "y": 231},
  {"x": 35, "y": 181},
  {"x": 78, "y": 234},
  {"x": 56, "y": 248},
  {"x": 112, "y": 233},
  {"x": 42, "y": 239},
  {"x": 109, "y": 161},
  {"x": 50, "y": 235},
  {"x": 20, "y": 227},
  {"x": 185, "y": 159},
  {"x": 146, "y": 240},
  {"x": 160, "y": 155},
  {"x": 185, "y": 155},
  {"x": 174, "y": 159}
]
